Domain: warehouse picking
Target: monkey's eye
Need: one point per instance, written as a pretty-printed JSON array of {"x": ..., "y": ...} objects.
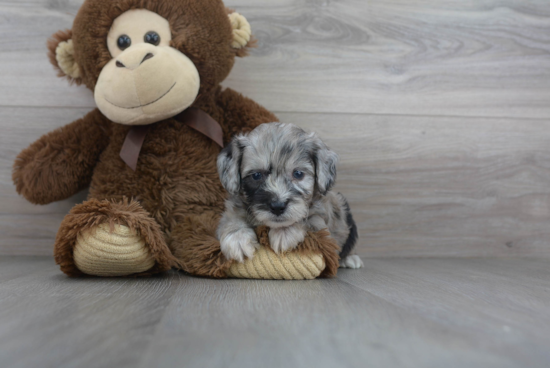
[
  {"x": 124, "y": 42},
  {"x": 299, "y": 175},
  {"x": 152, "y": 37},
  {"x": 257, "y": 176}
]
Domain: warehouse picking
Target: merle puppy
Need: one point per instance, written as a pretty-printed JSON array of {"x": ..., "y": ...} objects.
[{"x": 280, "y": 176}]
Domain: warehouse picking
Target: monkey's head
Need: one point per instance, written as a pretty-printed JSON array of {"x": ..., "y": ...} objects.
[{"x": 148, "y": 60}]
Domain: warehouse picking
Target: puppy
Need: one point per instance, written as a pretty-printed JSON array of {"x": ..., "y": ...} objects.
[{"x": 280, "y": 176}]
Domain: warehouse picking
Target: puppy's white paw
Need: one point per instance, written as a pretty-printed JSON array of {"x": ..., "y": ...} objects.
[
  {"x": 285, "y": 238},
  {"x": 352, "y": 261},
  {"x": 239, "y": 244}
]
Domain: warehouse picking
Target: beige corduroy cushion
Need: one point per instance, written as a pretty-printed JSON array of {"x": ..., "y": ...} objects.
[
  {"x": 102, "y": 252},
  {"x": 268, "y": 265}
]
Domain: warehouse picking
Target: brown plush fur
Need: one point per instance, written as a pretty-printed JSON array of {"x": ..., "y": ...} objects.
[
  {"x": 195, "y": 245},
  {"x": 197, "y": 248},
  {"x": 61, "y": 163},
  {"x": 177, "y": 195}
]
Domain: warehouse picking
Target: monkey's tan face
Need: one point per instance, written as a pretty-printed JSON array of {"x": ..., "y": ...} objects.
[{"x": 147, "y": 80}]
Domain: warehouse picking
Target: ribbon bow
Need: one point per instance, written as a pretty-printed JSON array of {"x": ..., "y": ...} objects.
[{"x": 193, "y": 117}]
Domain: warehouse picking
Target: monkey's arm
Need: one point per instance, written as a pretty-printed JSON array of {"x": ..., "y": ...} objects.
[
  {"x": 61, "y": 163},
  {"x": 241, "y": 114}
]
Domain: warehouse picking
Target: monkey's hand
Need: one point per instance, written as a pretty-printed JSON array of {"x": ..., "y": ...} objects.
[{"x": 61, "y": 163}]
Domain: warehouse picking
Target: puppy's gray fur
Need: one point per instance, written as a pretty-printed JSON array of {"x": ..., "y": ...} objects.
[{"x": 280, "y": 176}]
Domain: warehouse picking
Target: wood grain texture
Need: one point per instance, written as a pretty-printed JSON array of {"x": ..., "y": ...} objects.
[
  {"x": 393, "y": 313},
  {"x": 489, "y": 58},
  {"x": 421, "y": 181},
  {"x": 418, "y": 186},
  {"x": 435, "y": 186},
  {"x": 421, "y": 57},
  {"x": 49, "y": 320}
]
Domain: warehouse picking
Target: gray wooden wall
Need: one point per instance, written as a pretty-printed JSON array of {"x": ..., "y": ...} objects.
[{"x": 439, "y": 110}]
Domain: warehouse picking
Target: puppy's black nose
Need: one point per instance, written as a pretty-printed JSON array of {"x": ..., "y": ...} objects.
[{"x": 277, "y": 208}]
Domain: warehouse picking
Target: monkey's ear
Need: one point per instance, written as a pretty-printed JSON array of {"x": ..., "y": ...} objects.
[
  {"x": 242, "y": 34},
  {"x": 229, "y": 165},
  {"x": 61, "y": 54}
]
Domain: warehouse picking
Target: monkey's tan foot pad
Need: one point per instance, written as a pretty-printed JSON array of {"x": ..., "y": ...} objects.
[
  {"x": 116, "y": 251},
  {"x": 268, "y": 265}
]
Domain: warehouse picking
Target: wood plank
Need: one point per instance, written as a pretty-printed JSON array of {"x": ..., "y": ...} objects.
[
  {"x": 49, "y": 320},
  {"x": 28, "y": 234},
  {"x": 399, "y": 312},
  {"x": 28, "y": 78},
  {"x": 323, "y": 323},
  {"x": 421, "y": 57},
  {"x": 14, "y": 267},
  {"x": 434, "y": 186},
  {"x": 487, "y": 295},
  {"x": 486, "y": 58},
  {"x": 492, "y": 297},
  {"x": 418, "y": 186}
]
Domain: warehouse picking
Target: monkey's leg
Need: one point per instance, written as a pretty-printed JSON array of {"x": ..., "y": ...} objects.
[
  {"x": 193, "y": 242},
  {"x": 103, "y": 238}
]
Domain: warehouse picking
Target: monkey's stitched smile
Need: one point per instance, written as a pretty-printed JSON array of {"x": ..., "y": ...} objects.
[{"x": 147, "y": 104}]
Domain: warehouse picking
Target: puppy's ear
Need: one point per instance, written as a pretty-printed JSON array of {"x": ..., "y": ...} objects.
[
  {"x": 229, "y": 166},
  {"x": 325, "y": 165}
]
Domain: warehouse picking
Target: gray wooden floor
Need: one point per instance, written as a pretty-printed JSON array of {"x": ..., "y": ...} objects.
[{"x": 393, "y": 313}]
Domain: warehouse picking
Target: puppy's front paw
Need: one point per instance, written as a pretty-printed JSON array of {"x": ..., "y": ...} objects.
[
  {"x": 286, "y": 238},
  {"x": 352, "y": 261},
  {"x": 239, "y": 244}
]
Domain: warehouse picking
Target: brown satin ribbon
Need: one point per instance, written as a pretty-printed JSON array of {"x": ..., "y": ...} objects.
[
  {"x": 193, "y": 117},
  {"x": 132, "y": 145}
]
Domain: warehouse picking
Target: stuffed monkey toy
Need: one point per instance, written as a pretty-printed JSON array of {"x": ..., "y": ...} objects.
[{"x": 148, "y": 151}]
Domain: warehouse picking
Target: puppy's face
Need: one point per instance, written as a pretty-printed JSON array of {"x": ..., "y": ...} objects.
[{"x": 276, "y": 171}]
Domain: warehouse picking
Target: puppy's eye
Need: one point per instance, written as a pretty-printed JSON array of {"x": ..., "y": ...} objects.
[
  {"x": 152, "y": 37},
  {"x": 299, "y": 175},
  {"x": 257, "y": 176},
  {"x": 124, "y": 42}
]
